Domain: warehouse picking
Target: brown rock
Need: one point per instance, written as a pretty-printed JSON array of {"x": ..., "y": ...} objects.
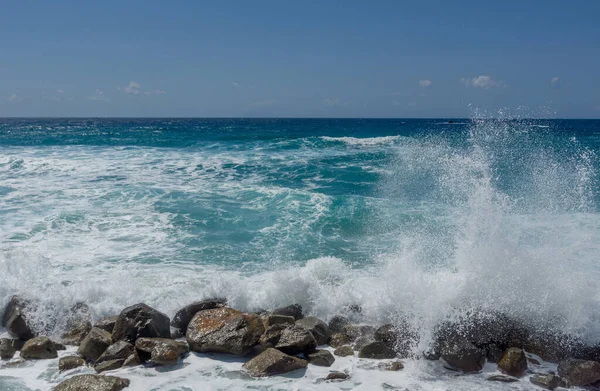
[
  {"x": 321, "y": 358},
  {"x": 294, "y": 310},
  {"x": 70, "y": 362},
  {"x": 577, "y": 373},
  {"x": 513, "y": 362},
  {"x": 547, "y": 381},
  {"x": 296, "y": 340},
  {"x": 273, "y": 362},
  {"x": 183, "y": 317},
  {"x": 376, "y": 350},
  {"x": 93, "y": 383},
  {"x": 337, "y": 376},
  {"x": 119, "y": 350},
  {"x": 462, "y": 355},
  {"x": 107, "y": 323},
  {"x": 94, "y": 344},
  {"x": 271, "y": 320},
  {"x": 16, "y": 320},
  {"x": 502, "y": 378},
  {"x": 391, "y": 366},
  {"x": 162, "y": 351},
  {"x": 39, "y": 348},
  {"x": 344, "y": 351},
  {"x": 7, "y": 348},
  {"x": 109, "y": 365}
]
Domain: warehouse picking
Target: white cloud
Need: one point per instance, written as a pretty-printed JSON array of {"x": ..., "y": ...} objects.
[
  {"x": 483, "y": 81},
  {"x": 333, "y": 101},
  {"x": 98, "y": 96},
  {"x": 13, "y": 98},
  {"x": 235, "y": 84},
  {"x": 155, "y": 92},
  {"x": 424, "y": 83},
  {"x": 554, "y": 81},
  {"x": 133, "y": 88}
]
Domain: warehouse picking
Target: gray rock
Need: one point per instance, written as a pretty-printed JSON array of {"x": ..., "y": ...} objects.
[
  {"x": 337, "y": 323},
  {"x": 321, "y": 358},
  {"x": 387, "y": 333},
  {"x": 141, "y": 320},
  {"x": 294, "y": 310},
  {"x": 119, "y": 350},
  {"x": 108, "y": 365},
  {"x": 317, "y": 327},
  {"x": 94, "y": 344},
  {"x": 273, "y": 362},
  {"x": 502, "y": 378},
  {"x": 295, "y": 340},
  {"x": 162, "y": 351},
  {"x": 578, "y": 373},
  {"x": 224, "y": 330},
  {"x": 183, "y": 317},
  {"x": 462, "y": 355},
  {"x": 399, "y": 337},
  {"x": 271, "y": 336},
  {"x": 339, "y": 339},
  {"x": 76, "y": 334},
  {"x": 547, "y": 381},
  {"x": 344, "y": 351},
  {"x": 494, "y": 353},
  {"x": 513, "y": 362},
  {"x": 133, "y": 360},
  {"x": 271, "y": 320},
  {"x": 376, "y": 350},
  {"x": 391, "y": 366},
  {"x": 7, "y": 348},
  {"x": 107, "y": 323},
  {"x": 70, "y": 362},
  {"x": 39, "y": 348},
  {"x": 93, "y": 383},
  {"x": 337, "y": 376},
  {"x": 16, "y": 319}
]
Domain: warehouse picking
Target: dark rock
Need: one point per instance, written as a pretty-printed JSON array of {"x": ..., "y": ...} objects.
[
  {"x": 400, "y": 337},
  {"x": 109, "y": 365},
  {"x": 59, "y": 346},
  {"x": 339, "y": 339},
  {"x": 271, "y": 320},
  {"x": 513, "y": 362},
  {"x": 321, "y": 358},
  {"x": 337, "y": 323},
  {"x": 502, "y": 378},
  {"x": 391, "y": 366},
  {"x": 76, "y": 334},
  {"x": 377, "y": 350},
  {"x": 271, "y": 336},
  {"x": 70, "y": 362},
  {"x": 119, "y": 350},
  {"x": 294, "y": 310},
  {"x": 162, "y": 351},
  {"x": 354, "y": 331},
  {"x": 273, "y": 362},
  {"x": 337, "y": 376},
  {"x": 16, "y": 319},
  {"x": 133, "y": 360},
  {"x": 141, "y": 320},
  {"x": 547, "y": 381},
  {"x": 224, "y": 330},
  {"x": 93, "y": 383},
  {"x": 387, "y": 333},
  {"x": 552, "y": 346},
  {"x": 317, "y": 327},
  {"x": 362, "y": 342},
  {"x": 107, "y": 323},
  {"x": 295, "y": 340},
  {"x": 39, "y": 348},
  {"x": 7, "y": 348},
  {"x": 494, "y": 353},
  {"x": 533, "y": 361},
  {"x": 344, "y": 351},
  {"x": 462, "y": 355},
  {"x": 94, "y": 344},
  {"x": 183, "y": 317},
  {"x": 578, "y": 373}
]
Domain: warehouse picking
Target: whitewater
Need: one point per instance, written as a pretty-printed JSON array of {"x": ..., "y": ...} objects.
[{"x": 422, "y": 220}]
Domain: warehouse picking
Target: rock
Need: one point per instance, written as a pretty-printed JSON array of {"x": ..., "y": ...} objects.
[
  {"x": 271, "y": 336},
  {"x": 363, "y": 341},
  {"x": 224, "y": 330},
  {"x": 119, "y": 350},
  {"x": 295, "y": 340},
  {"x": 133, "y": 360},
  {"x": 273, "y": 362},
  {"x": 271, "y": 320},
  {"x": 141, "y": 320},
  {"x": 400, "y": 338},
  {"x": 386, "y": 333},
  {"x": 337, "y": 376},
  {"x": 547, "y": 381},
  {"x": 391, "y": 366},
  {"x": 183, "y": 317},
  {"x": 94, "y": 344},
  {"x": 344, "y": 351},
  {"x": 59, "y": 346},
  {"x": 578, "y": 373},
  {"x": 552, "y": 346},
  {"x": 15, "y": 363},
  {"x": 339, "y": 339},
  {"x": 15, "y": 319},
  {"x": 162, "y": 351},
  {"x": 502, "y": 378},
  {"x": 70, "y": 362},
  {"x": 93, "y": 383},
  {"x": 513, "y": 362},
  {"x": 377, "y": 350},
  {"x": 354, "y": 331},
  {"x": 462, "y": 355},
  {"x": 321, "y": 358},
  {"x": 109, "y": 365},
  {"x": 107, "y": 323},
  {"x": 533, "y": 361},
  {"x": 494, "y": 353},
  {"x": 294, "y": 310},
  {"x": 76, "y": 334},
  {"x": 7, "y": 348},
  {"x": 317, "y": 327},
  {"x": 337, "y": 323},
  {"x": 39, "y": 348}
]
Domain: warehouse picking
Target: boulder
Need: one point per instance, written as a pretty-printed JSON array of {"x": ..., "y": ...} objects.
[
  {"x": 108, "y": 365},
  {"x": 502, "y": 378},
  {"x": 273, "y": 362},
  {"x": 344, "y": 351},
  {"x": 119, "y": 350},
  {"x": 317, "y": 327},
  {"x": 391, "y": 366},
  {"x": 462, "y": 355},
  {"x": 107, "y": 323},
  {"x": 295, "y": 340},
  {"x": 339, "y": 339},
  {"x": 577, "y": 373},
  {"x": 553, "y": 346},
  {"x": 93, "y": 383},
  {"x": 224, "y": 330},
  {"x": 337, "y": 376},
  {"x": 16, "y": 319},
  {"x": 7, "y": 348},
  {"x": 183, "y": 317},
  {"x": 76, "y": 334},
  {"x": 547, "y": 381},
  {"x": 39, "y": 348},
  {"x": 271, "y": 336},
  {"x": 70, "y": 362},
  {"x": 400, "y": 338},
  {"x": 162, "y": 351},
  {"x": 376, "y": 350},
  {"x": 271, "y": 320},
  {"x": 321, "y": 358},
  {"x": 363, "y": 341},
  {"x": 513, "y": 362},
  {"x": 294, "y": 310},
  {"x": 337, "y": 323},
  {"x": 133, "y": 360},
  {"x": 94, "y": 344},
  {"x": 141, "y": 320},
  {"x": 494, "y": 353}
]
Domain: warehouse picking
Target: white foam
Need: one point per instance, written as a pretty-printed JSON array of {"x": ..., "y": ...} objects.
[{"x": 363, "y": 141}]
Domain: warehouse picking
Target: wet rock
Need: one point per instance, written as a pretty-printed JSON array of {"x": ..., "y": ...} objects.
[
  {"x": 39, "y": 348},
  {"x": 16, "y": 319},
  {"x": 344, "y": 351},
  {"x": 93, "y": 383},
  {"x": 317, "y": 327},
  {"x": 70, "y": 362},
  {"x": 502, "y": 378},
  {"x": 547, "y": 381},
  {"x": 76, "y": 334},
  {"x": 108, "y": 365},
  {"x": 271, "y": 336},
  {"x": 513, "y": 362},
  {"x": 363, "y": 341},
  {"x": 494, "y": 353},
  {"x": 462, "y": 355},
  {"x": 119, "y": 350},
  {"x": 387, "y": 333},
  {"x": 162, "y": 351},
  {"x": 321, "y": 358},
  {"x": 133, "y": 360},
  {"x": 339, "y": 339},
  {"x": 94, "y": 344},
  {"x": 400, "y": 338},
  {"x": 271, "y": 320},
  {"x": 224, "y": 330},
  {"x": 337, "y": 376},
  {"x": 337, "y": 323},
  {"x": 141, "y": 320},
  {"x": 357, "y": 331},
  {"x": 296, "y": 340},
  {"x": 391, "y": 366},
  {"x": 578, "y": 373},
  {"x": 183, "y": 317},
  {"x": 294, "y": 310},
  {"x": 59, "y": 346},
  {"x": 552, "y": 346},
  {"x": 273, "y": 362},
  {"x": 107, "y": 323},
  {"x": 7, "y": 348},
  {"x": 376, "y": 350}
]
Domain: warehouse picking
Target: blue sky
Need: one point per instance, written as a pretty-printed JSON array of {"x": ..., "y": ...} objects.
[{"x": 299, "y": 58}]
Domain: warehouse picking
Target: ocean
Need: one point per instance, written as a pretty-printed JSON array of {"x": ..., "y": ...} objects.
[{"x": 419, "y": 219}]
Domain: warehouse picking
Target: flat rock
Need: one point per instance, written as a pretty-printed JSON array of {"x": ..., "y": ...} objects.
[
  {"x": 513, "y": 362},
  {"x": 273, "y": 362},
  {"x": 39, "y": 348},
  {"x": 183, "y": 317},
  {"x": 93, "y": 383},
  {"x": 294, "y": 310},
  {"x": 344, "y": 351},
  {"x": 94, "y": 344},
  {"x": 317, "y": 327},
  {"x": 547, "y": 381},
  {"x": 502, "y": 378},
  {"x": 70, "y": 362},
  {"x": 577, "y": 373},
  {"x": 141, "y": 320},
  {"x": 162, "y": 351},
  {"x": 376, "y": 350},
  {"x": 321, "y": 358},
  {"x": 107, "y": 323},
  {"x": 337, "y": 376},
  {"x": 16, "y": 320}
]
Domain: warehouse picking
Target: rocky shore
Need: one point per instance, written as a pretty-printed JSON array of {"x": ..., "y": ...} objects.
[{"x": 284, "y": 340}]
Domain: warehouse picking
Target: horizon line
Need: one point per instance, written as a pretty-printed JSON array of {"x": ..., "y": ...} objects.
[{"x": 299, "y": 118}]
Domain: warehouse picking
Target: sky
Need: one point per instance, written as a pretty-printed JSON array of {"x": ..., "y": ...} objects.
[{"x": 299, "y": 58}]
